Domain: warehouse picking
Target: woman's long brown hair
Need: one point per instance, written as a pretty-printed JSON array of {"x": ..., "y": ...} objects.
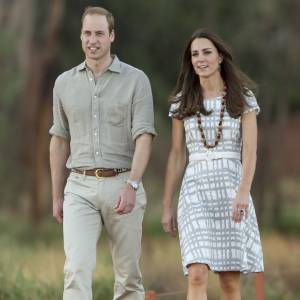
[{"x": 188, "y": 89}]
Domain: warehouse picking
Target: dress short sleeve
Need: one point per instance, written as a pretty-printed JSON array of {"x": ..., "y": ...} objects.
[
  {"x": 251, "y": 104},
  {"x": 173, "y": 108}
]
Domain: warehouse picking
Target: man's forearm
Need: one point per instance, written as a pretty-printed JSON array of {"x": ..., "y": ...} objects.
[
  {"x": 59, "y": 152},
  {"x": 141, "y": 156}
]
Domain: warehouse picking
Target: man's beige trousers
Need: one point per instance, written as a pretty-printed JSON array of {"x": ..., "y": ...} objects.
[{"x": 88, "y": 207}]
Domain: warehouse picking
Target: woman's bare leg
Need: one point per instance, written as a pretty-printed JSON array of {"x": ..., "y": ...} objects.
[
  {"x": 230, "y": 285},
  {"x": 197, "y": 282}
]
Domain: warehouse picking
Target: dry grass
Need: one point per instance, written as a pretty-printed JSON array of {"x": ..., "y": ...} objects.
[
  {"x": 40, "y": 263},
  {"x": 163, "y": 272}
]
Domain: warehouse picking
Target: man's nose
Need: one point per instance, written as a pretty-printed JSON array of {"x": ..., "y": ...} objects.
[{"x": 93, "y": 38}]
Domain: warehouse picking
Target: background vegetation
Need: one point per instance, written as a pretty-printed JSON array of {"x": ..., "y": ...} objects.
[{"x": 40, "y": 39}]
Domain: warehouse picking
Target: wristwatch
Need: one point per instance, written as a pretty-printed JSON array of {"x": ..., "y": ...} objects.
[{"x": 133, "y": 183}]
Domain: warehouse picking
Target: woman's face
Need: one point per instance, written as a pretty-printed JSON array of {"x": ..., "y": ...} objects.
[{"x": 205, "y": 57}]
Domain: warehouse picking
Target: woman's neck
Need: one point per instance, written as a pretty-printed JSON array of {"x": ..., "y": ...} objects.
[{"x": 212, "y": 86}]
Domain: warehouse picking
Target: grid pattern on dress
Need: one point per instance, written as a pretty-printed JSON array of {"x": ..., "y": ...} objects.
[{"x": 207, "y": 234}]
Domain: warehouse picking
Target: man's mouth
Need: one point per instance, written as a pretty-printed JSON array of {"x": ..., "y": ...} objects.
[{"x": 93, "y": 48}]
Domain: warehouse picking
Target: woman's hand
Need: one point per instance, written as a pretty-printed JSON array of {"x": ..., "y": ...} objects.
[
  {"x": 169, "y": 221},
  {"x": 240, "y": 207}
]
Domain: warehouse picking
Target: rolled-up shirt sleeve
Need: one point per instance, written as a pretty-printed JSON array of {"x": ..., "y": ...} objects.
[
  {"x": 142, "y": 108},
  {"x": 60, "y": 125}
]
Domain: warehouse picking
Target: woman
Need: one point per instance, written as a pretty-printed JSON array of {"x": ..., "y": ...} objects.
[{"x": 214, "y": 137}]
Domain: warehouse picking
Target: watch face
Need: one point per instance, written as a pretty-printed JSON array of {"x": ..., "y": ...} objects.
[{"x": 134, "y": 184}]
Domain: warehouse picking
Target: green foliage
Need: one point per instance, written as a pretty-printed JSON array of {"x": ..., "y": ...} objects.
[
  {"x": 24, "y": 245},
  {"x": 22, "y": 288},
  {"x": 275, "y": 292},
  {"x": 289, "y": 222},
  {"x": 103, "y": 288},
  {"x": 10, "y": 77},
  {"x": 23, "y": 233},
  {"x": 153, "y": 227},
  {"x": 11, "y": 81}
]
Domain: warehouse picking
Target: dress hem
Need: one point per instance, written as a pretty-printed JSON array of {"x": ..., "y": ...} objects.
[{"x": 218, "y": 270}]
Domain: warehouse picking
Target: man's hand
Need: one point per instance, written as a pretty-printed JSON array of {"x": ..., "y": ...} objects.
[
  {"x": 126, "y": 200},
  {"x": 58, "y": 210},
  {"x": 169, "y": 221}
]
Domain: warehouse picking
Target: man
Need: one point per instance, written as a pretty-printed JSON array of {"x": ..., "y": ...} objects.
[{"x": 102, "y": 130}]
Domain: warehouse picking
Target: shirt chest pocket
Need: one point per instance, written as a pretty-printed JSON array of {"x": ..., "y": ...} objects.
[
  {"x": 116, "y": 115},
  {"x": 116, "y": 133}
]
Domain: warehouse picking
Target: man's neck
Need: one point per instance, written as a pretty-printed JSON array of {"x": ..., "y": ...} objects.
[{"x": 99, "y": 66}]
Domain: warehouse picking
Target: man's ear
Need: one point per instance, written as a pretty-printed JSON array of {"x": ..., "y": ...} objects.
[{"x": 112, "y": 36}]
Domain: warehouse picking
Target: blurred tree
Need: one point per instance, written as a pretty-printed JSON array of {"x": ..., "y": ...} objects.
[
  {"x": 39, "y": 57},
  {"x": 38, "y": 99},
  {"x": 150, "y": 35}
]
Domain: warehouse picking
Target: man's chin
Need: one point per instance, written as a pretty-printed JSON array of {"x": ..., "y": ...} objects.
[{"x": 94, "y": 57}]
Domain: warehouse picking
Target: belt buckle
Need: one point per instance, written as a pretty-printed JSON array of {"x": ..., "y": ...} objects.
[{"x": 97, "y": 175}]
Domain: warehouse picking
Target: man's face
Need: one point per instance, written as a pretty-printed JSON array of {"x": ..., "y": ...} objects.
[{"x": 95, "y": 37}]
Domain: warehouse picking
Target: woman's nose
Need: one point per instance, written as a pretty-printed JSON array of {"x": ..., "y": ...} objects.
[{"x": 200, "y": 59}]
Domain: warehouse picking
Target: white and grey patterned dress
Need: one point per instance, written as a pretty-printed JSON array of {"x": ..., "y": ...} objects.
[{"x": 212, "y": 177}]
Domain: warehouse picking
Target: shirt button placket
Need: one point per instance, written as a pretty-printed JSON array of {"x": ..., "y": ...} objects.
[
  {"x": 96, "y": 127},
  {"x": 91, "y": 77}
]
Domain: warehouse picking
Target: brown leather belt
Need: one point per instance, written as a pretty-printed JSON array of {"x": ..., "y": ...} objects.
[{"x": 99, "y": 173}]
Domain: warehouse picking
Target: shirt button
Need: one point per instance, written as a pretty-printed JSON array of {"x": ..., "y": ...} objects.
[
  {"x": 95, "y": 133},
  {"x": 97, "y": 153},
  {"x": 91, "y": 79},
  {"x": 95, "y": 96},
  {"x": 95, "y": 116}
]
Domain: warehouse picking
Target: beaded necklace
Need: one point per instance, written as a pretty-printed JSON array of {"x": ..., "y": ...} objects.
[{"x": 219, "y": 128}]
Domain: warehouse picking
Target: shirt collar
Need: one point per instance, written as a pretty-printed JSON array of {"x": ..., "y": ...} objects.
[
  {"x": 81, "y": 67},
  {"x": 115, "y": 65}
]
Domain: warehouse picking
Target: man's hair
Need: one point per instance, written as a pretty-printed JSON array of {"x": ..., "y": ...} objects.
[{"x": 97, "y": 10}]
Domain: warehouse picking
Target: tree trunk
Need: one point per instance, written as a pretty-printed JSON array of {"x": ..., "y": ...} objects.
[{"x": 36, "y": 110}]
